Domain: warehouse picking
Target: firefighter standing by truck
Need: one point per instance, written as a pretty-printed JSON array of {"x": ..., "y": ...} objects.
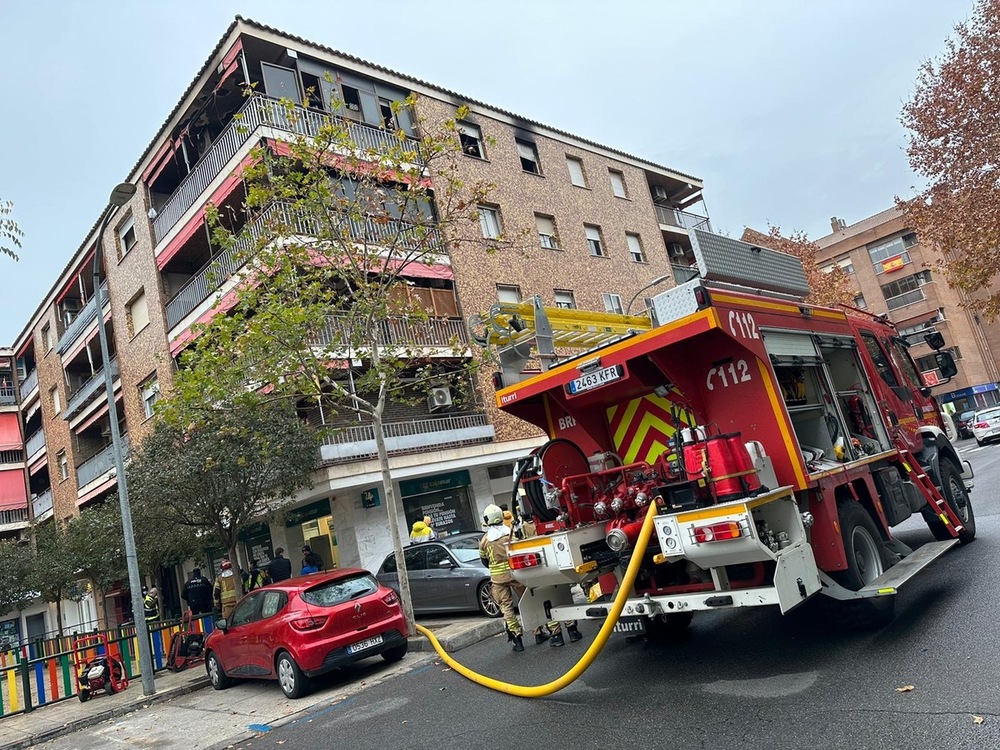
[{"x": 227, "y": 589}]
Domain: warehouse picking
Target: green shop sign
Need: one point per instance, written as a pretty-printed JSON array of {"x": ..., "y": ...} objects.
[
  {"x": 422, "y": 486},
  {"x": 310, "y": 512}
]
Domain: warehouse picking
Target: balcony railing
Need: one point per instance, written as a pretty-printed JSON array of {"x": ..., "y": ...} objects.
[
  {"x": 87, "y": 316},
  {"x": 674, "y": 217},
  {"x": 30, "y": 383},
  {"x": 99, "y": 464},
  {"x": 34, "y": 443},
  {"x": 91, "y": 389},
  {"x": 12, "y": 516},
  {"x": 353, "y": 443},
  {"x": 258, "y": 111},
  {"x": 41, "y": 504},
  {"x": 398, "y": 331},
  {"x": 7, "y": 395},
  {"x": 214, "y": 273},
  {"x": 907, "y": 298}
]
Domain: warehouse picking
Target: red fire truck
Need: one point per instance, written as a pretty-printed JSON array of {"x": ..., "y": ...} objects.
[{"x": 781, "y": 442}]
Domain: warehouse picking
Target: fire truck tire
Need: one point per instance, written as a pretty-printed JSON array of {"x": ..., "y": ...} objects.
[
  {"x": 957, "y": 497},
  {"x": 866, "y": 561},
  {"x": 668, "y": 627}
]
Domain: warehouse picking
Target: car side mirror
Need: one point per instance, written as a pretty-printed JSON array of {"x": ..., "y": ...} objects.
[
  {"x": 946, "y": 364},
  {"x": 221, "y": 624},
  {"x": 446, "y": 564}
]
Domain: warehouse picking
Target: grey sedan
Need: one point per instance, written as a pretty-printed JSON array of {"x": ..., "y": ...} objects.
[{"x": 445, "y": 576}]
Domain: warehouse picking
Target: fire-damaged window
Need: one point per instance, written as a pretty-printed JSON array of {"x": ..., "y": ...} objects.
[
  {"x": 471, "y": 138},
  {"x": 528, "y": 154},
  {"x": 281, "y": 83}
]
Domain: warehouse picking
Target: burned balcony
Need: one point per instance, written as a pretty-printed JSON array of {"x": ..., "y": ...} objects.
[
  {"x": 83, "y": 319},
  {"x": 89, "y": 390}
]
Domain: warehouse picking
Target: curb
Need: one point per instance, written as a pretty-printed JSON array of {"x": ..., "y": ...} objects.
[
  {"x": 461, "y": 640},
  {"x": 111, "y": 713}
]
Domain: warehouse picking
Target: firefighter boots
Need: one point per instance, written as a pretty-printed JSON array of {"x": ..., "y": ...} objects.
[
  {"x": 540, "y": 637},
  {"x": 557, "y": 640},
  {"x": 518, "y": 644},
  {"x": 574, "y": 634}
]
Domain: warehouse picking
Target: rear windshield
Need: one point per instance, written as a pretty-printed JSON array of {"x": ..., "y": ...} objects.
[
  {"x": 342, "y": 590},
  {"x": 982, "y": 416}
]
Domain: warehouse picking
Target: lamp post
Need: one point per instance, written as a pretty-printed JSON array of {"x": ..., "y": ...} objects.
[
  {"x": 654, "y": 282},
  {"x": 121, "y": 195}
]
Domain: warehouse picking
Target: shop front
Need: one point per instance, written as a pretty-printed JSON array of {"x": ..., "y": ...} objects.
[
  {"x": 446, "y": 498},
  {"x": 311, "y": 524},
  {"x": 973, "y": 398}
]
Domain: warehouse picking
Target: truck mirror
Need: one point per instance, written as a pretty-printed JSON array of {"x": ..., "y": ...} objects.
[
  {"x": 934, "y": 340},
  {"x": 946, "y": 364}
]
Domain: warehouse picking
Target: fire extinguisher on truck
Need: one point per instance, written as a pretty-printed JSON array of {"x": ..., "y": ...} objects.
[{"x": 780, "y": 442}]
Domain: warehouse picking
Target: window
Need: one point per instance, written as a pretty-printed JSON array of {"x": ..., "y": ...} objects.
[
  {"x": 881, "y": 361},
  {"x": 844, "y": 264},
  {"x": 594, "y": 240},
  {"x": 905, "y": 291},
  {"x": 509, "y": 293},
  {"x": 126, "y": 237},
  {"x": 437, "y": 555},
  {"x": 138, "y": 314},
  {"x": 471, "y": 138},
  {"x": 860, "y": 302},
  {"x": 63, "y": 463},
  {"x": 54, "y": 397},
  {"x": 388, "y": 116},
  {"x": 576, "y": 175},
  {"x": 565, "y": 299},
  {"x": 635, "y": 247},
  {"x": 280, "y": 82},
  {"x": 245, "y": 611},
  {"x": 889, "y": 256},
  {"x": 909, "y": 240},
  {"x": 914, "y": 334},
  {"x": 905, "y": 363},
  {"x": 47, "y": 337},
  {"x": 546, "y": 226},
  {"x": 274, "y": 602},
  {"x": 352, "y": 102},
  {"x": 617, "y": 183},
  {"x": 613, "y": 303},
  {"x": 149, "y": 392},
  {"x": 529, "y": 157},
  {"x": 489, "y": 220}
]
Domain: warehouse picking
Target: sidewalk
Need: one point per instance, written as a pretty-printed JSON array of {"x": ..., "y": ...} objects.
[{"x": 216, "y": 717}]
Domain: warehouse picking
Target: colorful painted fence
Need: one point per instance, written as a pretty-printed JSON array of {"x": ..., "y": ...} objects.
[{"x": 31, "y": 678}]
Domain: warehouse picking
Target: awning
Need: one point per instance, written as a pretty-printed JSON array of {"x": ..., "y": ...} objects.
[
  {"x": 13, "y": 493},
  {"x": 10, "y": 432}
]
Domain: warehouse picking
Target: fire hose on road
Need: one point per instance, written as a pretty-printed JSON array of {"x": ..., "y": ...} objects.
[{"x": 540, "y": 691}]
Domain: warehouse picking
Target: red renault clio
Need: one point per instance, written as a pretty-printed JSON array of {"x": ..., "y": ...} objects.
[{"x": 302, "y": 627}]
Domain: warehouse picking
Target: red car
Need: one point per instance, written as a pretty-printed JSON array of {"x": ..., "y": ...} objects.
[{"x": 299, "y": 628}]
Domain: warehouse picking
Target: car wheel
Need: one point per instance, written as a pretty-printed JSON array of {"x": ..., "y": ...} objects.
[
  {"x": 216, "y": 674},
  {"x": 484, "y": 597},
  {"x": 396, "y": 653},
  {"x": 291, "y": 679},
  {"x": 980, "y": 443}
]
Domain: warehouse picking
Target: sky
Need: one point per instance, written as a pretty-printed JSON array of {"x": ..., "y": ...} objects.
[{"x": 788, "y": 110}]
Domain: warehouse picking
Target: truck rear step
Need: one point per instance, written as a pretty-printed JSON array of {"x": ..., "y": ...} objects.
[{"x": 887, "y": 583}]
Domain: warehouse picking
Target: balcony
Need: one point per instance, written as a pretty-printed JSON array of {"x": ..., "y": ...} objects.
[
  {"x": 214, "y": 273},
  {"x": 34, "y": 443},
  {"x": 13, "y": 517},
  {"x": 261, "y": 111},
  {"x": 99, "y": 464},
  {"x": 674, "y": 217},
  {"x": 399, "y": 331},
  {"x": 87, "y": 316},
  {"x": 29, "y": 384},
  {"x": 907, "y": 298},
  {"x": 91, "y": 389},
  {"x": 417, "y": 436},
  {"x": 7, "y": 395},
  {"x": 41, "y": 505}
]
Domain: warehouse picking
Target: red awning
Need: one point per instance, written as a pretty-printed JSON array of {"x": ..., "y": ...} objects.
[
  {"x": 13, "y": 493},
  {"x": 10, "y": 432}
]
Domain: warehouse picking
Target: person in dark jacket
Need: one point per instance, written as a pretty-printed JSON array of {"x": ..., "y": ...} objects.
[
  {"x": 280, "y": 568},
  {"x": 311, "y": 559},
  {"x": 198, "y": 593}
]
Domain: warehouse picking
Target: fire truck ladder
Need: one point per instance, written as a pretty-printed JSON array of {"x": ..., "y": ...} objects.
[
  {"x": 941, "y": 507},
  {"x": 521, "y": 331}
]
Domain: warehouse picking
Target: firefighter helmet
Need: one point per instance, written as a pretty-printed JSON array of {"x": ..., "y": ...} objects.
[
  {"x": 493, "y": 515},
  {"x": 226, "y": 565}
]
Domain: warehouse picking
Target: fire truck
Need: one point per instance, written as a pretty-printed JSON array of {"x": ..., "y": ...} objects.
[{"x": 781, "y": 442}]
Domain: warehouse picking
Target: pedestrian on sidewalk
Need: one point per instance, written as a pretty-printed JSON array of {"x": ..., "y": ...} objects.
[
  {"x": 198, "y": 593},
  {"x": 421, "y": 531},
  {"x": 227, "y": 590},
  {"x": 151, "y": 605},
  {"x": 280, "y": 568},
  {"x": 258, "y": 576},
  {"x": 311, "y": 561}
]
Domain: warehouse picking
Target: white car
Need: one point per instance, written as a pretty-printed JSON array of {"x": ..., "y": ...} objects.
[{"x": 986, "y": 425}]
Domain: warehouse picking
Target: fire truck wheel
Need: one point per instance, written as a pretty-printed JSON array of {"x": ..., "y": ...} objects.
[
  {"x": 669, "y": 627},
  {"x": 866, "y": 561},
  {"x": 957, "y": 497}
]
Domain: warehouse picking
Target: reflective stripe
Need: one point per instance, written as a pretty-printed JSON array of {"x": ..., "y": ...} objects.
[{"x": 500, "y": 567}]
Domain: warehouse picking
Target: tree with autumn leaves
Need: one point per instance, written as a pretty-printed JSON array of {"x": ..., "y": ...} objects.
[{"x": 953, "y": 118}]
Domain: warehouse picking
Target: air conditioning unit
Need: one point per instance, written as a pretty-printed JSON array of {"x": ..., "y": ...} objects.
[
  {"x": 439, "y": 399},
  {"x": 660, "y": 194},
  {"x": 675, "y": 249}
]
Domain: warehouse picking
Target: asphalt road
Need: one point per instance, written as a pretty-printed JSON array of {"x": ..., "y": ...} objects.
[{"x": 744, "y": 679}]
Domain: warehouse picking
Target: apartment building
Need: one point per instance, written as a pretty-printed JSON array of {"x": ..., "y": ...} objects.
[
  {"x": 895, "y": 275},
  {"x": 607, "y": 225}
]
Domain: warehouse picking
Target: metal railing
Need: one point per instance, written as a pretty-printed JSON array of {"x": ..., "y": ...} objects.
[
  {"x": 907, "y": 298},
  {"x": 34, "y": 443},
  {"x": 90, "y": 389},
  {"x": 7, "y": 395},
  {"x": 15, "y": 456},
  {"x": 217, "y": 271},
  {"x": 13, "y": 515},
  {"x": 41, "y": 504},
  {"x": 415, "y": 436},
  {"x": 674, "y": 217},
  {"x": 263, "y": 111},
  {"x": 99, "y": 464},
  {"x": 29, "y": 383},
  {"x": 397, "y": 331},
  {"x": 87, "y": 316}
]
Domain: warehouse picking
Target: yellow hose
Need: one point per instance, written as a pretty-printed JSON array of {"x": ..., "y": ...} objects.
[{"x": 540, "y": 691}]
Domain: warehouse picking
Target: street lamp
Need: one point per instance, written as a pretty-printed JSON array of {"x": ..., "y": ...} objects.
[
  {"x": 121, "y": 195},
  {"x": 654, "y": 282}
]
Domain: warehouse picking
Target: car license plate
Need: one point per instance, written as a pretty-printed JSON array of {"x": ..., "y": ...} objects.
[
  {"x": 362, "y": 645},
  {"x": 595, "y": 379},
  {"x": 631, "y": 625}
]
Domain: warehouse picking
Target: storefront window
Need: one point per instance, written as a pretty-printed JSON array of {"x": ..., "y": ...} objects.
[{"x": 446, "y": 498}]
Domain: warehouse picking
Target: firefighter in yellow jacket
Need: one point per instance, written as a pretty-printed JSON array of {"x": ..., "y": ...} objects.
[{"x": 227, "y": 589}]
